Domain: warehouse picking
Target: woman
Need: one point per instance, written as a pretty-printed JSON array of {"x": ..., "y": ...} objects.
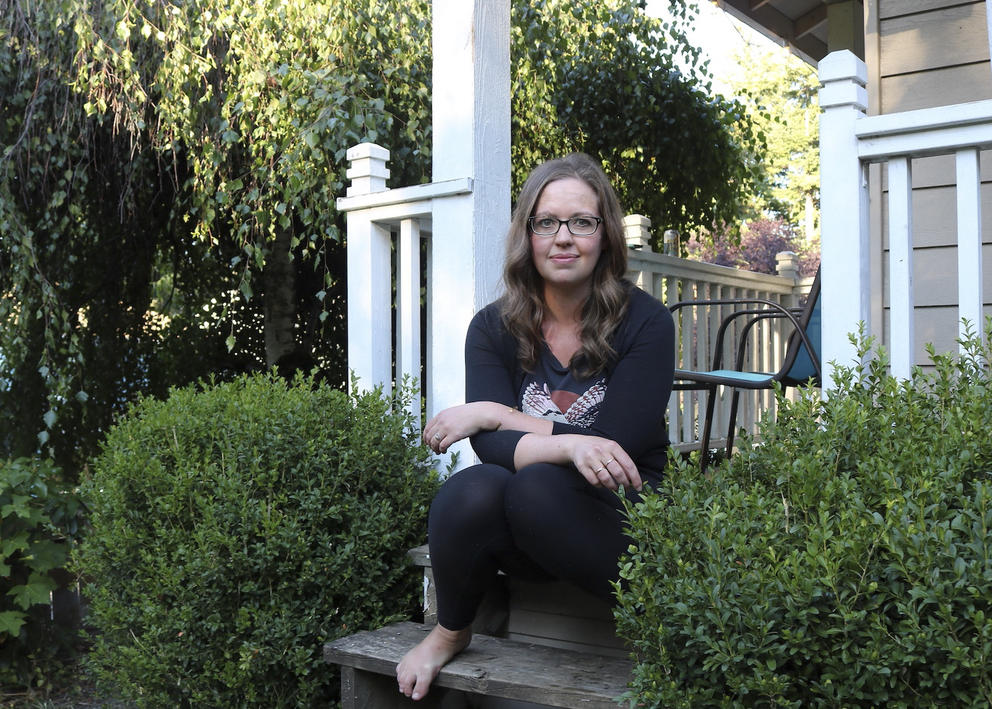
[{"x": 567, "y": 381}]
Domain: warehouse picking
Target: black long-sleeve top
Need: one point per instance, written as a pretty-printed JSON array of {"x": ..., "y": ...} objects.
[{"x": 638, "y": 383}]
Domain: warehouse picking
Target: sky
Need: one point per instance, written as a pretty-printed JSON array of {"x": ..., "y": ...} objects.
[{"x": 718, "y": 34}]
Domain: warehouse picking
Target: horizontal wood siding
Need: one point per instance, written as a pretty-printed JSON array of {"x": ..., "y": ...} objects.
[
  {"x": 929, "y": 53},
  {"x": 937, "y": 87},
  {"x": 935, "y": 220},
  {"x": 936, "y": 326},
  {"x": 893, "y": 9},
  {"x": 935, "y": 280},
  {"x": 939, "y": 38},
  {"x": 939, "y": 171}
]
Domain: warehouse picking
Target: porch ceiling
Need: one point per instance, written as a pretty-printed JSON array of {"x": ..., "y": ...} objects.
[{"x": 800, "y": 25}]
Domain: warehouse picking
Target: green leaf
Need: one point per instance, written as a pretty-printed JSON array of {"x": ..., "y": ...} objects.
[
  {"x": 46, "y": 555},
  {"x": 19, "y": 505},
  {"x": 10, "y": 545},
  {"x": 38, "y": 589},
  {"x": 11, "y": 622}
]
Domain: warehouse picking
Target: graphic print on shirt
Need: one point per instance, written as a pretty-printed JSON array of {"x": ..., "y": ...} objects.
[{"x": 564, "y": 406}]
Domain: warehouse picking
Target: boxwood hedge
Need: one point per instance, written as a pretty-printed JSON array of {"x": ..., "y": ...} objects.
[
  {"x": 236, "y": 527},
  {"x": 845, "y": 561}
]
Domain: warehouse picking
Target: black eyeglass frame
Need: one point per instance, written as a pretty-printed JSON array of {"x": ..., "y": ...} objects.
[{"x": 566, "y": 222}]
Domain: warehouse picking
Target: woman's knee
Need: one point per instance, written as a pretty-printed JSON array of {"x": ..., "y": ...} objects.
[
  {"x": 534, "y": 494},
  {"x": 470, "y": 497},
  {"x": 543, "y": 480}
]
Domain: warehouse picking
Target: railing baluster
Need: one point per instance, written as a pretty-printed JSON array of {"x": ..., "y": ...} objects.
[
  {"x": 690, "y": 332},
  {"x": 408, "y": 311},
  {"x": 369, "y": 336},
  {"x": 901, "y": 328},
  {"x": 969, "y": 208}
]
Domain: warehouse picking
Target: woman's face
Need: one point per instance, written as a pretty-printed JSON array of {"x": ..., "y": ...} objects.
[{"x": 566, "y": 261}]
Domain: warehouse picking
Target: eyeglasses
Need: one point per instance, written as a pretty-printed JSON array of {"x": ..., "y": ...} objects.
[{"x": 577, "y": 226}]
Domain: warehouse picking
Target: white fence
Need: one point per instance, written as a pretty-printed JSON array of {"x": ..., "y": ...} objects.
[
  {"x": 389, "y": 252},
  {"x": 849, "y": 142}
]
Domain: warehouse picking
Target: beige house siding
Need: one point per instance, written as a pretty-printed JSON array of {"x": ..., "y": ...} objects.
[{"x": 921, "y": 54}]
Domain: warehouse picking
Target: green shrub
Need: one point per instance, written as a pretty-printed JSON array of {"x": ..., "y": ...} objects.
[
  {"x": 846, "y": 561},
  {"x": 39, "y": 520},
  {"x": 237, "y": 527}
]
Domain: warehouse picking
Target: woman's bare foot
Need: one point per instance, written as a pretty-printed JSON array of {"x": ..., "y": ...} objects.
[{"x": 420, "y": 666}]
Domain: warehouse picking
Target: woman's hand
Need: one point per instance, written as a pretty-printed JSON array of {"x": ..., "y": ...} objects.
[
  {"x": 602, "y": 462},
  {"x": 458, "y": 422}
]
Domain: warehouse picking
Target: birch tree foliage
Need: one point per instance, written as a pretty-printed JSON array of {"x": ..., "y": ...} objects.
[
  {"x": 277, "y": 92},
  {"x": 157, "y": 158},
  {"x": 261, "y": 99},
  {"x": 84, "y": 224}
]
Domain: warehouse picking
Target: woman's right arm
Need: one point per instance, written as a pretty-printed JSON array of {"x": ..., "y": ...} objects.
[
  {"x": 489, "y": 377},
  {"x": 466, "y": 420}
]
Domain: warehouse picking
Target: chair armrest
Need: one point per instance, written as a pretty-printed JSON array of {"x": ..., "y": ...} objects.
[{"x": 768, "y": 309}]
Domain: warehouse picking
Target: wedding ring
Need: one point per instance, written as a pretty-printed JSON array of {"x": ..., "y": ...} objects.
[
  {"x": 598, "y": 469},
  {"x": 607, "y": 462},
  {"x": 437, "y": 436}
]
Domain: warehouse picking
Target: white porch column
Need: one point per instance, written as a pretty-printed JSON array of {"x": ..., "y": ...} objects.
[
  {"x": 471, "y": 124},
  {"x": 844, "y": 254},
  {"x": 370, "y": 345}
]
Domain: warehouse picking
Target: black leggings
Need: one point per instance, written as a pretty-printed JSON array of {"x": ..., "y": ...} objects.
[{"x": 542, "y": 522}]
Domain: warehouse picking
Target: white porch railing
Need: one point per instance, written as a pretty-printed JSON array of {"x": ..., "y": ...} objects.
[
  {"x": 672, "y": 279},
  {"x": 849, "y": 141},
  {"x": 387, "y": 229}
]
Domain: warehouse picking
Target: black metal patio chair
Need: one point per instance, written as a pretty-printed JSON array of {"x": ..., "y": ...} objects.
[{"x": 800, "y": 365}]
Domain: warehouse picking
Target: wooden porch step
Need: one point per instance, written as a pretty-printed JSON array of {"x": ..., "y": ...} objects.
[
  {"x": 491, "y": 667},
  {"x": 544, "y": 613}
]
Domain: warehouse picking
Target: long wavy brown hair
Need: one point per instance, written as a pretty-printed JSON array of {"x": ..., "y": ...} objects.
[{"x": 522, "y": 304}]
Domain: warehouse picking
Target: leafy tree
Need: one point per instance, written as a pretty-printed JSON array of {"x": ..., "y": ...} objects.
[
  {"x": 199, "y": 153},
  {"x": 756, "y": 247},
  {"x": 262, "y": 107},
  {"x": 169, "y": 171},
  {"x": 86, "y": 321},
  {"x": 780, "y": 94},
  {"x": 602, "y": 77}
]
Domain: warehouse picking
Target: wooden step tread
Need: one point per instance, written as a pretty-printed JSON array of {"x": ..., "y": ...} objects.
[{"x": 495, "y": 667}]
